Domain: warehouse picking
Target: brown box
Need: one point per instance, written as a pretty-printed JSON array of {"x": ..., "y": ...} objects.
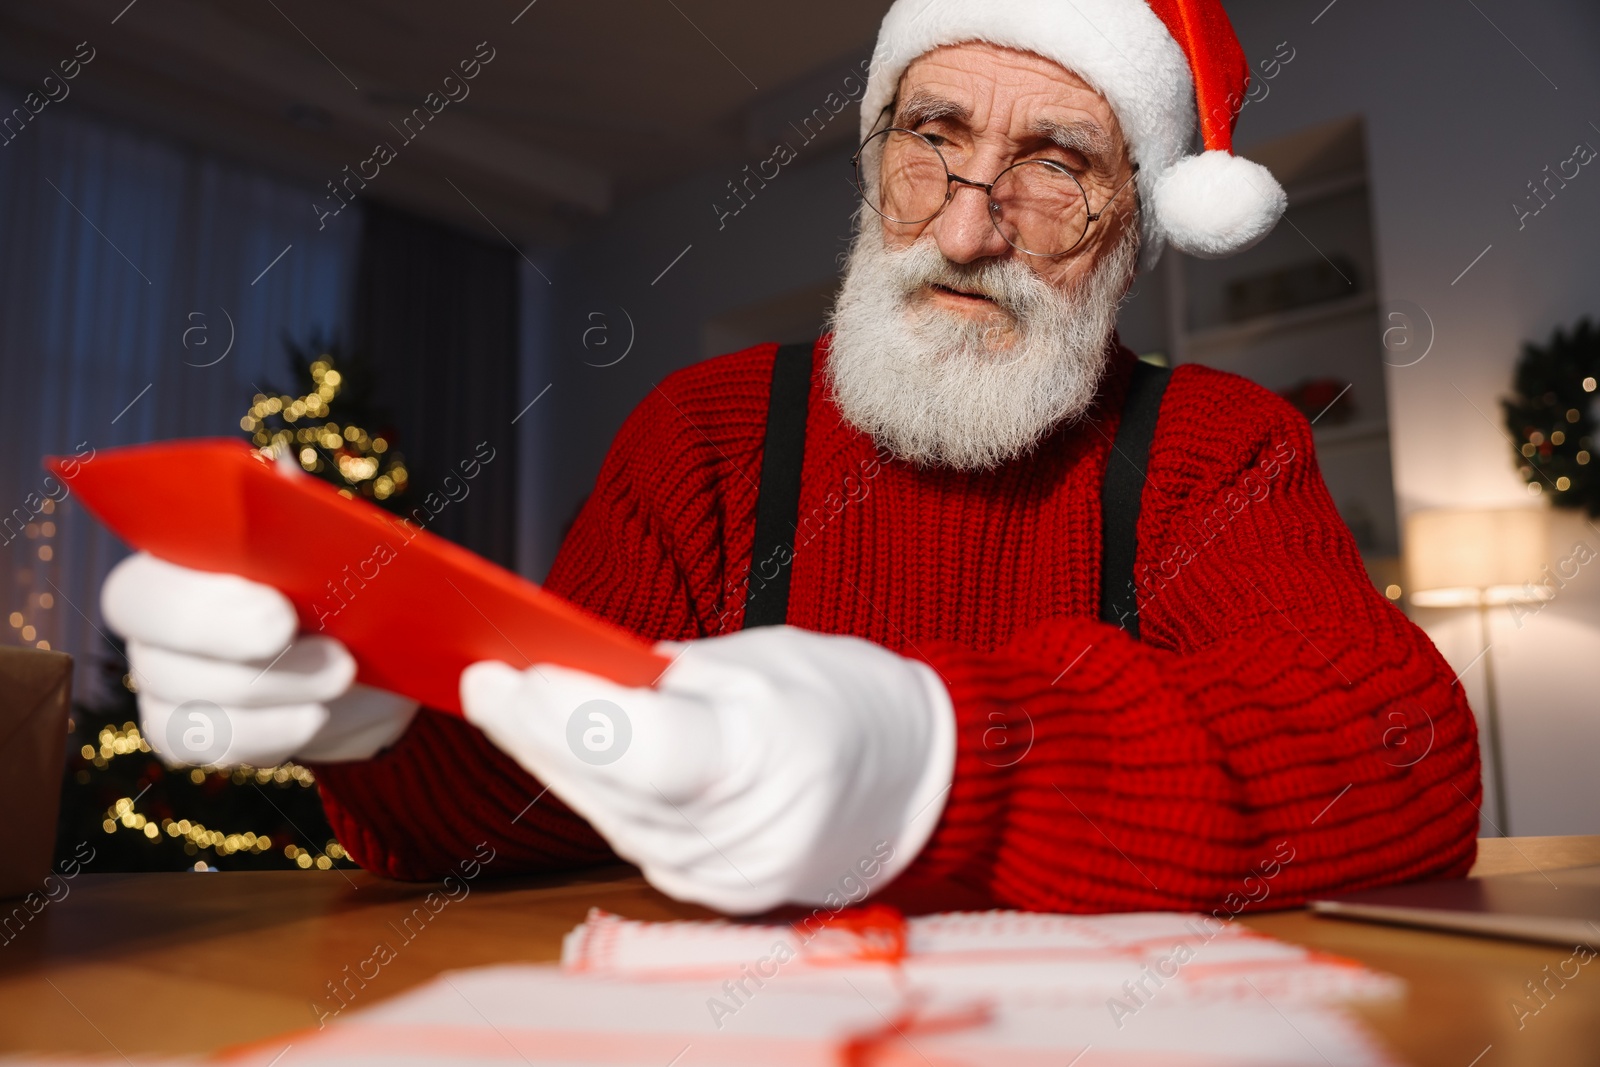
[{"x": 35, "y": 698}]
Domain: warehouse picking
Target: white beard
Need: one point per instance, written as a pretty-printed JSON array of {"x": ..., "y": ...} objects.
[{"x": 937, "y": 388}]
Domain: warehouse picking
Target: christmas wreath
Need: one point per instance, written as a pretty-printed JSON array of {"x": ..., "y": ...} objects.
[{"x": 1550, "y": 421}]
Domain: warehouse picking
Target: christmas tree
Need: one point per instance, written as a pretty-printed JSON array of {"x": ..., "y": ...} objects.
[
  {"x": 1551, "y": 421},
  {"x": 139, "y": 814},
  {"x": 325, "y": 428}
]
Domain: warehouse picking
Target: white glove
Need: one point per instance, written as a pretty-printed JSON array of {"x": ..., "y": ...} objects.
[
  {"x": 223, "y": 679},
  {"x": 771, "y": 766}
]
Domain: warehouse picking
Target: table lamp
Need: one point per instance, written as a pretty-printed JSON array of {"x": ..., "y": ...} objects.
[{"x": 1479, "y": 558}]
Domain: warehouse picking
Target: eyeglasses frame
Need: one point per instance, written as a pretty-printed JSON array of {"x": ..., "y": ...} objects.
[{"x": 988, "y": 188}]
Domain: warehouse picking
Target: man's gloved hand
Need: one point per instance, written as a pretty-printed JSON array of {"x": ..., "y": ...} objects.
[
  {"x": 768, "y": 767},
  {"x": 223, "y": 679}
]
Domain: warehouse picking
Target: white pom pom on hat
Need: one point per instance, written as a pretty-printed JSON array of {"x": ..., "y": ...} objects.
[
  {"x": 1163, "y": 65},
  {"x": 1216, "y": 203}
]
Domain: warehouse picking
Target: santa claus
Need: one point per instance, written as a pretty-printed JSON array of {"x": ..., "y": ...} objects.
[{"x": 964, "y": 603}]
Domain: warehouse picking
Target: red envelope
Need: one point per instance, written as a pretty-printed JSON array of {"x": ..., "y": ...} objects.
[{"x": 413, "y": 608}]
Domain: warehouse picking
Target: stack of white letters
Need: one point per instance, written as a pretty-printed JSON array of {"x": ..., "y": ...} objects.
[{"x": 868, "y": 988}]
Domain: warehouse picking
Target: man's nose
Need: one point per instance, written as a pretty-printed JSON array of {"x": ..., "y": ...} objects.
[{"x": 964, "y": 231}]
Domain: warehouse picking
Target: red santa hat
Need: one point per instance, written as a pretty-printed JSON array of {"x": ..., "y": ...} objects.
[{"x": 1161, "y": 64}]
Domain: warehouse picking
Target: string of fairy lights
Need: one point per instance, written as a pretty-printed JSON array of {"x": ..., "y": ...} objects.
[
  {"x": 1550, "y": 417},
  {"x": 1539, "y": 447},
  {"x": 198, "y": 838},
  {"x": 361, "y": 464},
  {"x": 29, "y": 623},
  {"x": 364, "y": 463}
]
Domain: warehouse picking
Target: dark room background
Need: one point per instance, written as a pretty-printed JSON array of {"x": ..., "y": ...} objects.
[{"x": 574, "y": 221}]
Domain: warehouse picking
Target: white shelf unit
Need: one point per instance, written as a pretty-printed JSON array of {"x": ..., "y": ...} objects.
[
  {"x": 1183, "y": 311},
  {"x": 1232, "y": 335}
]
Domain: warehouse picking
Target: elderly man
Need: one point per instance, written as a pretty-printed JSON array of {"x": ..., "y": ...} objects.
[{"x": 1063, "y": 631}]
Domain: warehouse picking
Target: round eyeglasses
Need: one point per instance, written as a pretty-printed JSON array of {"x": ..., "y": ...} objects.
[{"x": 1037, "y": 205}]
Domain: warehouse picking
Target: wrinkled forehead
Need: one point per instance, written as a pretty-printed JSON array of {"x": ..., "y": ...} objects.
[{"x": 991, "y": 89}]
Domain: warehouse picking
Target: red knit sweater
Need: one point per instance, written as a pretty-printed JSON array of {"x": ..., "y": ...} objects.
[{"x": 1280, "y": 730}]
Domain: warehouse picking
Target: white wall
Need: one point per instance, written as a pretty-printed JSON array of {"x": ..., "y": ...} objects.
[
  {"x": 610, "y": 291},
  {"x": 1459, "y": 120}
]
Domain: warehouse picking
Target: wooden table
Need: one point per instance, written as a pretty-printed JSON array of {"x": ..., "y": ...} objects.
[{"x": 190, "y": 963}]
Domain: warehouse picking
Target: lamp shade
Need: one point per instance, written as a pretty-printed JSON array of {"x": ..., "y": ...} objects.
[{"x": 1476, "y": 556}]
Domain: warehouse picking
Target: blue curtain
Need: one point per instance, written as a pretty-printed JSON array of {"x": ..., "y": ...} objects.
[
  {"x": 437, "y": 308},
  {"x": 145, "y": 291}
]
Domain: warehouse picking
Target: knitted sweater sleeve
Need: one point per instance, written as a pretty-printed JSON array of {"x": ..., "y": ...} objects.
[{"x": 1282, "y": 730}]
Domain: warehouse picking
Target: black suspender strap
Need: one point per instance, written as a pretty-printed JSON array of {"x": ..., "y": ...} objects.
[
  {"x": 1121, "y": 492},
  {"x": 778, "y": 501}
]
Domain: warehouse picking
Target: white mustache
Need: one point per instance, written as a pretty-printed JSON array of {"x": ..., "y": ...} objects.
[{"x": 1013, "y": 287}]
